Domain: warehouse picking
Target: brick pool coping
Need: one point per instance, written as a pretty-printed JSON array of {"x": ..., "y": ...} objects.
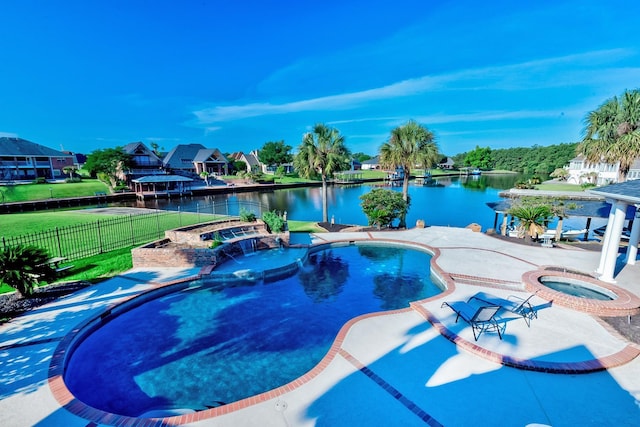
[
  {"x": 68, "y": 401},
  {"x": 626, "y": 303}
]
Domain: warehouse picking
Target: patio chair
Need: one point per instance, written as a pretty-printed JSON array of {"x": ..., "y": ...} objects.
[
  {"x": 514, "y": 304},
  {"x": 480, "y": 318}
]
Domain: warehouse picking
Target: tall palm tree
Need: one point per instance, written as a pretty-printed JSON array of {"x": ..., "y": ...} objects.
[
  {"x": 23, "y": 267},
  {"x": 612, "y": 132},
  {"x": 322, "y": 152},
  {"x": 410, "y": 145}
]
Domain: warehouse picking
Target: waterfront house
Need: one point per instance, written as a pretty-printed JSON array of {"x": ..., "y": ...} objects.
[
  {"x": 191, "y": 159},
  {"x": 581, "y": 171},
  {"x": 447, "y": 164},
  {"x": 25, "y": 160},
  {"x": 251, "y": 161},
  {"x": 144, "y": 162},
  {"x": 371, "y": 164}
]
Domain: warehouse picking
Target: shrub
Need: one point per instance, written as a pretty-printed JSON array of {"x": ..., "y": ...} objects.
[
  {"x": 523, "y": 185},
  {"x": 383, "y": 206},
  {"x": 40, "y": 180},
  {"x": 74, "y": 179},
  {"x": 217, "y": 241},
  {"x": 275, "y": 223},
  {"x": 247, "y": 216}
]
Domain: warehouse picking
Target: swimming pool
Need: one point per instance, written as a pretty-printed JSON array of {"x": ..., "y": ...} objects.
[{"x": 213, "y": 343}]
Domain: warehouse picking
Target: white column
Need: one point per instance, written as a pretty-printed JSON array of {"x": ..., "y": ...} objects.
[
  {"x": 607, "y": 237},
  {"x": 611, "y": 254},
  {"x": 634, "y": 239}
]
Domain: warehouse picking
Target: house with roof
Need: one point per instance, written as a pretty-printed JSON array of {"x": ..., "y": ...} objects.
[
  {"x": 144, "y": 162},
  {"x": 446, "y": 164},
  {"x": 25, "y": 160},
  {"x": 581, "y": 171},
  {"x": 371, "y": 164},
  {"x": 192, "y": 159},
  {"x": 251, "y": 161}
]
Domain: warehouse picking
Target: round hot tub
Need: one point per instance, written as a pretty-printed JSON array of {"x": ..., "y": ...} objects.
[
  {"x": 577, "y": 288},
  {"x": 580, "y": 291}
]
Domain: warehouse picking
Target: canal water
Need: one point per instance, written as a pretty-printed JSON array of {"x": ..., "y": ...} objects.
[{"x": 449, "y": 201}]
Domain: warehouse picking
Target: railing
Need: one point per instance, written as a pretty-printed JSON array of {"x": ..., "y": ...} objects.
[{"x": 105, "y": 235}]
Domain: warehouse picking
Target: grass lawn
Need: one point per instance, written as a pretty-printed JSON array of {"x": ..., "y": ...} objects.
[
  {"x": 32, "y": 222},
  {"x": 560, "y": 187},
  {"x": 304, "y": 227},
  {"x": 95, "y": 268},
  {"x": 28, "y": 192}
]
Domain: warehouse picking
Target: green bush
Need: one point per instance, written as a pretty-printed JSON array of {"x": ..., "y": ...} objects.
[
  {"x": 383, "y": 206},
  {"x": 74, "y": 179},
  {"x": 247, "y": 216},
  {"x": 523, "y": 185},
  {"x": 40, "y": 180},
  {"x": 275, "y": 223}
]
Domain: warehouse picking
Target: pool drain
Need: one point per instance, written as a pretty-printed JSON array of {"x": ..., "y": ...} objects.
[{"x": 281, "y": 405}]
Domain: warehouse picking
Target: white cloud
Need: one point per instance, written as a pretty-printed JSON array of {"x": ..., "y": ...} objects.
[
  {"x": 8, "y": 135},
  {"x": 570, "y": 70}
]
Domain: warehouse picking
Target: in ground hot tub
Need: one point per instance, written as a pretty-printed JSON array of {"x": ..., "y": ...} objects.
[
  {"x": 577, "y": 288},
  {"x": 580, "y": 291}
]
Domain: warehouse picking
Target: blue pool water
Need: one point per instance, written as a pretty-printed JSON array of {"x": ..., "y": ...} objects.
[{"x": 212, "y": 344}]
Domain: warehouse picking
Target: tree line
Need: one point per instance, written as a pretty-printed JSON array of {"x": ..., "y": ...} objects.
[{"x": 535, "y": 160}]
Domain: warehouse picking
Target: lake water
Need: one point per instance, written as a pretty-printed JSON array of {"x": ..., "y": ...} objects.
[{"x": 452, "y": 201}]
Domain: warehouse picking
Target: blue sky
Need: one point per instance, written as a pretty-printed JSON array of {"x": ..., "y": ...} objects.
[{"x": 84, "y": 75}]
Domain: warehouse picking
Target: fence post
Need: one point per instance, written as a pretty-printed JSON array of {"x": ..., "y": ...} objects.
[
  {"x": 133, "y": 236},
  {"x": 99, "y": 237},
  {"x": 58, "y": 241},
  {"x": 158, "y": 222}
]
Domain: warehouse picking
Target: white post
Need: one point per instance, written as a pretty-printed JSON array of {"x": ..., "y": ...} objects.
[
  {"x": 611, "y": 251},
  {"x": 632, "y": 249},
  {"x": 607, "y": 237}
]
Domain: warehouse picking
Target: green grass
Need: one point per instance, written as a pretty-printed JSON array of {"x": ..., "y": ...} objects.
[
  {"x": 23, "y": 223},
  {"x": 29, "y": 192},
  {"x": 559, "y": 187},
  {"x": 99, "y": 267},
  {"x": 304, "y": 227},
  {"x": 94, "y": 269}
]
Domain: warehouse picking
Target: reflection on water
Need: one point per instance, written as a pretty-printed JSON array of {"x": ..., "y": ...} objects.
[{"x": 454, "y": 201}]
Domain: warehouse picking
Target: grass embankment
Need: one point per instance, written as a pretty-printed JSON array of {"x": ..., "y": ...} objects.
[{"x": 29, "y": 192}]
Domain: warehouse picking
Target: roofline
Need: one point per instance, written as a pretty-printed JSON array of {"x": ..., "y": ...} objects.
[{"x": 622, "y": 197}]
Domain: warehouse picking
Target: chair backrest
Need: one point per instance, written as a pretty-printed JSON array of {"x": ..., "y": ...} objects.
[
  {"x": 485, "y": 313},
  {"x": 522, "y": 304}
]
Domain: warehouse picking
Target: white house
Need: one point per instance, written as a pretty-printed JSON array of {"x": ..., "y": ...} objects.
[{"x": 581, "y": 171}]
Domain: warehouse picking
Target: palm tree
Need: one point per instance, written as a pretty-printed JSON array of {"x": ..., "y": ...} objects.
[
  {"x": 205, "y": 175},
  {"x": 23, "y": 267},
  {"x": 612, "y": 132},
  {"x": 69, "y": 170},
  {"x": 322, "y": 152},
  {"x": 409, "y": 145},
  {"x": 531, "y": 218}
]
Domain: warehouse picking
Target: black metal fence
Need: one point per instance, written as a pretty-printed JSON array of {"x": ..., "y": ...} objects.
[{"x": 105, "y": 235}]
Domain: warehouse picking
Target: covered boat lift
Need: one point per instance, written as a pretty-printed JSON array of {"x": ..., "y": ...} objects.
[{"x": 155, "y": 186}]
